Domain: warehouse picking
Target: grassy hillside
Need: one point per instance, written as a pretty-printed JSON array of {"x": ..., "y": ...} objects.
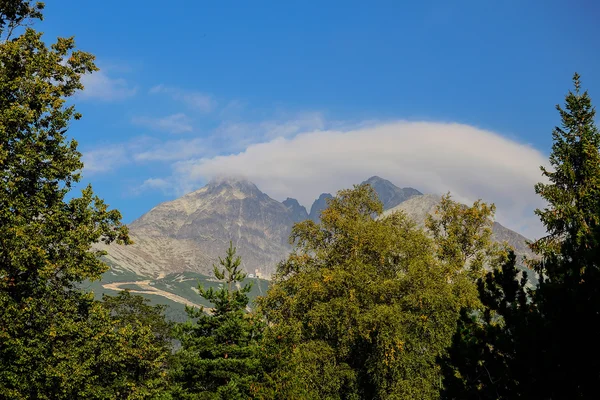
[{"x": 183, "y": 284}]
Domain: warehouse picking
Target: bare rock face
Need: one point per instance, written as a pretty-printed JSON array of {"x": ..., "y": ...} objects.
[
  {"x": 319, "y": 205},
  {"x": 298, "y": 212},
  {"x": 190, "y": 233},
  {"x": 389, "y": 194}
]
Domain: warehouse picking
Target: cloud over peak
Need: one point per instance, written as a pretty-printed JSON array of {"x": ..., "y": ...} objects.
[{"x": 433, "y": 157}]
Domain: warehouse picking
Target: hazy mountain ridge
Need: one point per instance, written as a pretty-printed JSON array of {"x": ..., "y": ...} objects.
[
  {"x": 299, "y": 212},
  {"x": 389, "y": 194},
  {"x": 190, "y": 233},
  {"x": 319, "y": 205}
]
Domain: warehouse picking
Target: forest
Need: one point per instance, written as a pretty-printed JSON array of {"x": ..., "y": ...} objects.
[{"x": 362, "y": 308}]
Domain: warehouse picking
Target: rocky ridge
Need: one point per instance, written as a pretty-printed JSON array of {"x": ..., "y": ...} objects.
[{"x": 190, "y": 233}]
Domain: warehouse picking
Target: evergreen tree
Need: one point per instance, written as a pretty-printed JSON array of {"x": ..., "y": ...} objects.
[
  {"x": 126, "y": 308},
  {"x": 219, "y": 354},
  {"x": 56, "y": 342},
  {"x": 548, "y": 345},
  {"x": 568, "y": 298},
  {"x": 494, "y": 348}
]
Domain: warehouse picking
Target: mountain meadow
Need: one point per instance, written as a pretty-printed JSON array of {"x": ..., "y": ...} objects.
[{"x": 376, "y": 292}]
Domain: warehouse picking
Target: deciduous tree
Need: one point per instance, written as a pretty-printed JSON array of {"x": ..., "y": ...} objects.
[
  {"x": 56, "y": 342},
  {"x": 362, "y": 308}
]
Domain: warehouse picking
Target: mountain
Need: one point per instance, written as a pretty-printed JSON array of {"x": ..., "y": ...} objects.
[
  {"x": 298, "y": 212},
  {"x": 190, "y": 233},
  {"x": 389, "y": 194},
  {"x": 319, "y": 205}
]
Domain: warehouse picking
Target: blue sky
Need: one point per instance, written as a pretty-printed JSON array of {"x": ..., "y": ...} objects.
[{"x": 199, "y": 88}]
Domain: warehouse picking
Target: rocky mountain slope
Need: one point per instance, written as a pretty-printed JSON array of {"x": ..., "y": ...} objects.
[
  {"x": 298, "y": 212},
  {"x": 190, "y": 233},
  {"x": 389, "y": 194},
  {"x": 319, "y": 205}
]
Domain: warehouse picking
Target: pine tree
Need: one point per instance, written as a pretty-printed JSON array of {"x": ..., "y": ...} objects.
[
  {"x": 219, "y": 354},
  {"x": 543, "y": 343},
  {"x": 493, "y": 348},
  {"x": 572, "y": 218},
  {"x": 568, "y": 298}
]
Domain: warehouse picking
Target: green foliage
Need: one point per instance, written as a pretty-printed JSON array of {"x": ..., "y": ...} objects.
[
  {"x": 568, "y": 297},
  {"x": 128, "y": 309},
  {"x": 542, "y": 343},
  {"x": 56, "y": 342},
  {"x": 483, "y": 362},
  {"x": 16, "y": 13},
  {"x": 463, "y": 234},
  {"x": 572, "y": 217},
  {"x": 219, "y": 350},
  {"x": 362, "y": 308}
]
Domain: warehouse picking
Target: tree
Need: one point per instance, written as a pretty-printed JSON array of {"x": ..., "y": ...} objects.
[
  {"x": 128, "y": 309},
  {"x": 146, "y": 341},
  {"x": 463, "y": 234},
  {"x": 482, "y": 362},
  {"x": 547, "y": 337},
  {"x": 219, "y": 349},
  {"x": 568, "y": 297},
  {"x": 53, "y": 337},
  {"x": 362, "y": 308}
]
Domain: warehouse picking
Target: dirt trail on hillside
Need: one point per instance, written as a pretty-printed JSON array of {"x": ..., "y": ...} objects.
[{"x": 148, "y": 289}]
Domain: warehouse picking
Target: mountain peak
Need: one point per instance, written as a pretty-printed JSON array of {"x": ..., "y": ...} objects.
[
  {"x": 230, "y": 180},
  {"x": 291, "y": 202},
  {"x": 378, "y": 181},
  {"x": 240, "y": 186},
  {"x": 389, "y": 194},
  {"x": 319, "y": 205},
  {"x": 298, "y": 212},
  {"x": 375, "y": 179}
]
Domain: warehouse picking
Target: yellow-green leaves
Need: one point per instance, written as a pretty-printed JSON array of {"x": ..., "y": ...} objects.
[
  {"x": 55, "y": 342},
  {"x": 367, "y": 301}
]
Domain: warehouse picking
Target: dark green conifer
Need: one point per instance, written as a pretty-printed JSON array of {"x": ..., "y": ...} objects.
[
  {"x": 543, "y": 343},
  {"x": 219, "y": 354}
]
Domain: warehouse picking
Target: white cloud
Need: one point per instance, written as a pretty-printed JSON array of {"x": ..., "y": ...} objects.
[
  {"x": 175, "y": 123},
  {"x": 172, "y": 150},
  {"x": 100, "y": 86},
  {"x": 140, "y": 150},
  {"x": 160, "y": 184},
  {"x": 104, "y": 159},
  {"x": 195, "y": 100},
  {"x": 236, "y": 136},
  {"x": 432, "y": 157}
]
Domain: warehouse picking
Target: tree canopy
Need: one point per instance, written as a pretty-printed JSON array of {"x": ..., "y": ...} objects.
[
  {"x": 56, "y": 342},
  {"x": 542, "y": 343},
  {"x": 362, "y": 308}
]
